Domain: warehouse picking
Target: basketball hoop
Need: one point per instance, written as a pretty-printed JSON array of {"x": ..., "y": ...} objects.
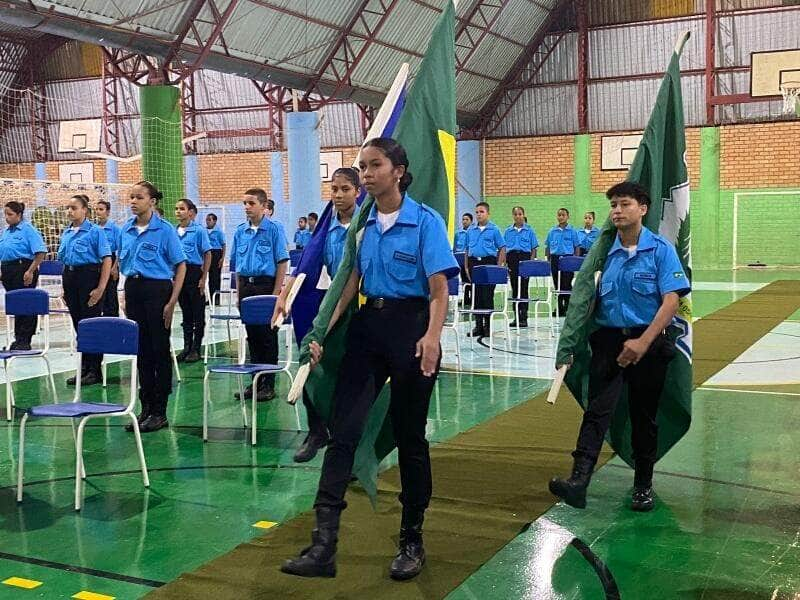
[{"x": 791, "y": 97}]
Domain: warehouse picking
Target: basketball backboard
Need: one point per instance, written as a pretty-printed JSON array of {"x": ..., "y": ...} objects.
[{"x": 771, "y": 70}]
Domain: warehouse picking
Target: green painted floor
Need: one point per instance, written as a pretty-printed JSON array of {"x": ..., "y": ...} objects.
[{"x": 727, "y": 524}]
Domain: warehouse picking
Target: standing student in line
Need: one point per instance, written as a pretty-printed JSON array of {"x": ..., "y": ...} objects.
[
  {"x": 521, "y": 244},
  {"x": 345, "y": 186},
  {"x": 589, "y": 233},
  {"x": 312, "y": 222},
  {"x": 562, "y": 240},
  {"x": 269, "y": 211},
  {"x": 150, "y": 256},
  {"x": 302, "y": 236},
  {"x": 217, "y": 240},
  {"x": 262, "y": 259},
  {"x": 485, "y": 246},
  {"x": 22, "y": 250},
  {"x": 102, "y": 212},
  {"x": 460, "y": 246},
  {"x": 86, "y": 255},
  {"x": 197, "y": 248}
]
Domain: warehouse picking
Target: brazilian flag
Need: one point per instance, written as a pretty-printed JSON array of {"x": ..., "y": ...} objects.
[
  {"x": 659, "y": 166},
  {"x": 426, "y": 129}
]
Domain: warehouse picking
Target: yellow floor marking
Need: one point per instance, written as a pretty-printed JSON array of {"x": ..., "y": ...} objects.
[
  {"x": 84, "y": 595},
  {"x": 264, "y": 524},
  {"x": 19, "y": 582}
]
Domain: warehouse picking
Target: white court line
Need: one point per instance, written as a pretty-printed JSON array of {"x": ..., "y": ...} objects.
[{"x": 737, "y": 391}]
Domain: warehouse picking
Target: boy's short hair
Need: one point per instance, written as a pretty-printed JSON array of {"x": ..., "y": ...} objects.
[
  {"x": 630, "y": 189},
  {"x": 484, "y": 205},
  {"x": 259, "y": 193},
  {"x": 468, "y": 215}
]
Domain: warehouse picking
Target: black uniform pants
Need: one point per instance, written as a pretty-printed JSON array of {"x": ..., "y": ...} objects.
[
  {"x": 78, "y": 284},
  {"x": 566, "y": 283},
  {"x": 145, "y": 300},
  {"x": 513, "y": 259},
  {"x": 13, "y": 272},
  {"x": 215, "y": 274},
  {"x": 262, "y": 340},
  {"x": 193, "y": 306},
  {"x": 381, "y": 344},
  {"x": 644, "y": 381},
  {"x": 484, "y": 294},
  {"x": 111, "y": 297}
]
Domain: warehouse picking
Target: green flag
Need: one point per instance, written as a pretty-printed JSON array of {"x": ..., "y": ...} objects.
[
  {"x": 426, "y": 129},
  {"x": 660, "y": 167}
]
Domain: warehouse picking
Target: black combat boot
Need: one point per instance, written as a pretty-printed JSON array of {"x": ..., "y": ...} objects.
[
  {"x": 573, "y": 490},
  {"x": 642, "y": 498},
  {"x": 411, "y": 554},
  {"x": 319, "y": 559}
]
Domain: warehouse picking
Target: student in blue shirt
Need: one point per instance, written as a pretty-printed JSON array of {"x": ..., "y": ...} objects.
[
  {"x": 269, "y": 211},
  {"x": 485, "y": 246},
  {"x": 589, "y": 233},
  {"x": 562, "y": 240},
  {"x": 217, "y": 240},
  {"x": 262, "y": 259},
  {"x": 150, "y": 257},
  {"x": 403, "y": 263},
  {"x": 302, "y": 236},
  {"x": 197, "y": 248},
  {"x": 86, "y": 255},
  {"x": 22, "y": 250},
  {"x": 521, "y": 244},
  {"x": 460, "y": 241},
  {"x": 312, "y": 222},
  {"x": 345, "y": 186},
  {"x": 638, "y": 297},
  {"x": 102, "y": 212}
]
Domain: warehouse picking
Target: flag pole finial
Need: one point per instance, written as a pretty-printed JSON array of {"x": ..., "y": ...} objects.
[{"x": 682, "y": 42}]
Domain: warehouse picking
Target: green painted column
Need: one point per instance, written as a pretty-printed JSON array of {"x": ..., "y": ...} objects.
[
  {"x": 583, "y": 178},
  {"x": 705, "y": 211},
  {"x": 162, "y": 143}
]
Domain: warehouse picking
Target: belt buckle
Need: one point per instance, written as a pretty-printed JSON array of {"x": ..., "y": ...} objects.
[
  {"x": 379, "y": 302},
  {"x": 251, "y": 280}
]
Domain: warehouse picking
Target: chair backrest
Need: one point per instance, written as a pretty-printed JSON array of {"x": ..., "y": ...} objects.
[
  {"x": 51, "y": 268},
  {"x": 233, "y": 280},
  {"x": 27, "y": 302},
  {"x": 452, "y": 286},
  {"x": 570, "y": 264},
  {"x": 257, "y": 310},
  {"x": 489, "y": 275},
  {"x": 294, "y": 257},
  {"x": 534, "y": 268},
  {"x": 108, "y": 335},
  {"x": 461, "y": 258}
]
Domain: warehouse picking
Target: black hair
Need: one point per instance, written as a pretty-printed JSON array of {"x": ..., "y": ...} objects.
[
  {"x": 630, "y": 189},
  {"x": 16, "y": 207},
  {"x": 469, "y": 215},
  {"x": 566, "y": 210},
  {"x": 105, "y": 203},
  {"x": 213, "y": 216},
  {"x": 591, "y": 212},
  {"x": 303, "y": 219},
  {"x": 313, "y": 214},
  {"x": 82, "y": 198},
  {"x": 518, "y": 207},
  {"x": 350, "y": 174},
  {"x": 159, "y": 210},
  {"x": 189, "y": 204},
  {"x": 152, "y": 190},
  {"x": 271, "y": 204},
  {"x": 396, "y": 154},
  {"x": 484, "y": 205},
  {"x": 259, "y": 193}
]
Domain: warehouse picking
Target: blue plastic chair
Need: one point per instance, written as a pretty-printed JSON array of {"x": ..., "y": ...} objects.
[
  {"x": 489, "y": 275},
  {"x": 539, "y": 276},
  {"x": 255, "y": 310},
  {"x": 214, "y": 315},
  {"x": 568, "y": 264},
  {"x": 99, "y": 335},
  {"x": 31, "y": 302},
  {"x": 451, "y": 324}
]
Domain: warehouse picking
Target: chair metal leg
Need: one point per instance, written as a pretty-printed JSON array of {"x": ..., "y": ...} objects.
[
  {"x": 21, "y": 457},
  {"x": 80, "y": 473},
  {"x": 175, "y": 363},
  {"x": 253, "y": 419},
  {"x": 140, "y": 449},
  {"x": 458, "y": 347},
  {"x": 50, "y": 377},
  {"x": 104, "y": 371},
  {"x": 205, "y": 406},
  {"x": 9, "y": 392}
]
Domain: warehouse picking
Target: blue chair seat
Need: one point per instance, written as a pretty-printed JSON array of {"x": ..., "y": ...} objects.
[
  {"x": 73, "y": 410},
  {"x": 6, "y": 354},
  {"x": 245, "y": 369}
]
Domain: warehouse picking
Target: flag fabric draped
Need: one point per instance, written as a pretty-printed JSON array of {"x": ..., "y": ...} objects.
[
  {"x": 426, "y": 128},
  {"x": 659, "y": 166}
]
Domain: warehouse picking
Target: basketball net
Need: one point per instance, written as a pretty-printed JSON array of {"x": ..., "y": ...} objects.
[{"x": 791, "y": 98}]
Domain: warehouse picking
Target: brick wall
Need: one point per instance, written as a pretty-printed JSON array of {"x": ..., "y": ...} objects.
[
  {"x": 223, "y": 177},
  {"x": 523, "y": 166},
  {"x": 760, "y": 156}
]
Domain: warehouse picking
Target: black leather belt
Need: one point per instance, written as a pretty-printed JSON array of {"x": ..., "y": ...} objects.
[
  {"x": 16, "y": 261},
  {"x": 78, "y": 268},
  {"x": 258, "y": 280},
  {"x": 381, "y": 303}
]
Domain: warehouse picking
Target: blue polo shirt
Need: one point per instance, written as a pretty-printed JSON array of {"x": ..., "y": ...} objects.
[
  {"x": 562, "y": 241},
  {"x": 153, "y": 253},
  {"x": 484, "y": 242},
  {"x": 521, "y": 240},
  {"x": 397, "y": 263},
  {"x": 112, "y": 232},
  {"x": 258, "y": 252},
  {"x": 86, "y": 246},
  {"x": 631, "y": 289},
  {"x": 334, "y": 242},
  {"x": 460, "y": 242},
  {"x": 587, "y": 238},
  {"x": 216, "y": 238},
  {"x": 302, "y": 237},
  {"x": 21, "y": 241},
  {"x": 195, "y": 243}
]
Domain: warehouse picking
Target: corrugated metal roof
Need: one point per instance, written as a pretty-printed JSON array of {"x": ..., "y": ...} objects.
[{"x": 542, "y": 111}]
